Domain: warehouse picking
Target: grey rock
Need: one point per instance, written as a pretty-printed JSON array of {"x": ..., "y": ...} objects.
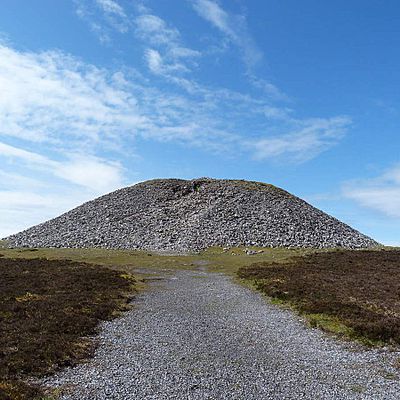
[{"x": 183, "y": 216}]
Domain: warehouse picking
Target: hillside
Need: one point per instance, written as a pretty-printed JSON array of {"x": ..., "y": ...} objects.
[{"x": 181, "y": 215}]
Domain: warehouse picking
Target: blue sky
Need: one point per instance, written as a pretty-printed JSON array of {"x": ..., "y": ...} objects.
[{"x": 100, "y": 94}]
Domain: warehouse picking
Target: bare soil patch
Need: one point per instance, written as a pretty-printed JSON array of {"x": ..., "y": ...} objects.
[
  {"x": 353, "y": 293},
  {"x": 46, "y": 308}
]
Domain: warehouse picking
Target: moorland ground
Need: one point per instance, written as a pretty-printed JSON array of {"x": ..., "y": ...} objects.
[
  {"x": 339, "y": 291},
  {"x": 47, "y": 308},
  {"x": 353, "y": 293}
]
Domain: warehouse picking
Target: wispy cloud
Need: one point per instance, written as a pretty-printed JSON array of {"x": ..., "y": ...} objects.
[
  {"x": 115, "y": 15},
  {"x": 157, "y": 64},
  {"x": 167, "y": 55},
  {"x": 26, "y": 206},
  {"x": 268, "y": 88},
  {"x": 27, "y": 200},
  {"x": 235, "y": 31},
  {"x": 153, "y": 29},
  {"x": 34, "y": 187},
  {"x": 233, "y": 27},
  {"x": 11, "y": 151},
  {"x": 309, "y": 138},
  {"x": 91, "y": 172},
  {"x": 51, "y": 96},
  {"x": 111, "y": 7},
  {"x": 183, "y": 52},
  {"x": 164, "y": 51},
  {"x": 381, "y": 193},
  {"x": 113, "y": 18},
  {"x": 23, "y": 208},
  {"x": 56, "y": 99}
]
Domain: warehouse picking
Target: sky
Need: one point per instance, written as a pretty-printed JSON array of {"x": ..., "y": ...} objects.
[{"x": 100, "y": 94}]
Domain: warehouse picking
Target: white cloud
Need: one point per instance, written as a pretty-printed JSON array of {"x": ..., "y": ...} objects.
[
  {"x": 212, "y": 12},
  {"x": 154, "y": 61},
  {"x": 183, "y": 52},
  {"x": 112, "y": 18},
  {"x": 92, "y": 173},
  {"x": 157, "y": 65},
  {"x": 392, "y": 175},
  {"x": 95, "y": 174},
  {"x": 20, "y": 199},
  {"x": 115, "y": 15},
  {"x": 20, "y": 209},
  {"x": 47, "y": 187},
  {"x": 378, "y": 197},
  {"x": 111, "y": 7},
  {"x": 235, "y": 30},
  {"x": 28, "y": 200},
  {"x": 11, "y": 151},
  {"x": 153, "y": 29},
  {"x": 268, "y": 88},
  {"x": 234, "y": 27},
  {"x": 312, "y": 137},
  {"x": 102, "y": 34},
  {"x": 47, "y": 96},
  {"x": 381, "y": 194},
  {"x": 58, "y": 100},
  {"x": 14, "y": 180},
  {"x": 279, "y": 113},
  {"x": 168, "y": 56}
]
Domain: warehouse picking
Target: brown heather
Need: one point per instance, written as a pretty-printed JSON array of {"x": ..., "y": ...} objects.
[
  {"x": 46, "y": 307},
  {"x": 356, "y": 293}
]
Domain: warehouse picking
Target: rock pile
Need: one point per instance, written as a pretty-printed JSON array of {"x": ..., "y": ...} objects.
[{"x": 179, "y": 215}]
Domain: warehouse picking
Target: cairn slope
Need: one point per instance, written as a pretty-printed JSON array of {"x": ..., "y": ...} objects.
[{"x": 181, "y": 215}]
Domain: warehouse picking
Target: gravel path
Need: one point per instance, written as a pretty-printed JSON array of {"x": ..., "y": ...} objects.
[{"x": 197, "y": 335}]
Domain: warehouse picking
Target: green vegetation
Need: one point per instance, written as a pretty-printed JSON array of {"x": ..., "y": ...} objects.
[
  {"x": 215, "y": 258},
  {"x": 354, "y": 294},
  {"x": 46, "y": 307}
]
